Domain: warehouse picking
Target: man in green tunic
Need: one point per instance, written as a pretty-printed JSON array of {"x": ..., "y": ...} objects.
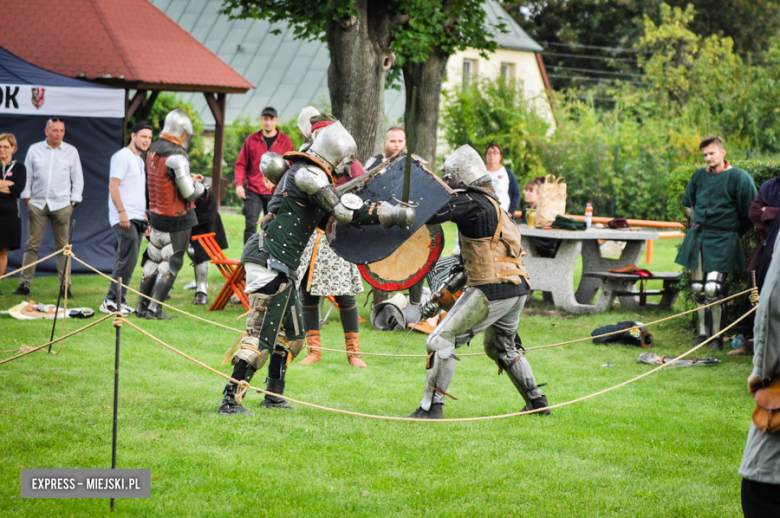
[{"x": 717, "y": 200}]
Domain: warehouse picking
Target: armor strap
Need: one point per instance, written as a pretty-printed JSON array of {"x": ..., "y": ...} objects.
[
  {"x": 499, "y": 215},
  {"x": 314, "y": 251}
]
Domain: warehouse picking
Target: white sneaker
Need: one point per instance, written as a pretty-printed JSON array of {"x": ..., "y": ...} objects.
[
  {"x": 108, "y": 306},
  {"x": 126, "y": 310},
  {"x": 191, "y": 286}
]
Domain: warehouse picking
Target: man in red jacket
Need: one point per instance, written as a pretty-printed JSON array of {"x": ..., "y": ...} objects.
[{"x": 256, "y": 195}]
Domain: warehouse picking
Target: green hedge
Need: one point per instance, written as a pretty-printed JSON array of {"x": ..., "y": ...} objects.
[{"x": 677, "y": 180}]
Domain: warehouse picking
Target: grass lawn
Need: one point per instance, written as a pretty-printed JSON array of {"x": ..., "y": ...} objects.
[{"x": 668, "y": 445}]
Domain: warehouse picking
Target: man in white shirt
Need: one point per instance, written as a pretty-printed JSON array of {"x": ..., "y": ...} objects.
[
  {"x": 54, "y": 185},
  {"x": 127, "y": 212}
]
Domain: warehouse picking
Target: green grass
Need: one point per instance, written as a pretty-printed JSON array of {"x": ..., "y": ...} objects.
[{"x": 669, "y": 445}]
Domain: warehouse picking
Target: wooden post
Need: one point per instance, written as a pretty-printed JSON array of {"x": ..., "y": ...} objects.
[
  {"x": 217, "y": 106},
  {"x": 116, "y": 394}
]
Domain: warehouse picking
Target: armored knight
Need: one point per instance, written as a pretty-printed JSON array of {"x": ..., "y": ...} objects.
[
  {"x": 209, "y": 221},
  {"x": 304, "y": 200},
  {"x": 496, "y": 287},
  {"x": 172, "y": 189}
]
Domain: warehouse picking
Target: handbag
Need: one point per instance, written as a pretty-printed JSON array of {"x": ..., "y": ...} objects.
[
  {"x": 552, "y": 200},
  {"x": 766, "y": 415}
]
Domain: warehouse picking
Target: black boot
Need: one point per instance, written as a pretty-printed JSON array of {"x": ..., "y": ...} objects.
[
  {"x": 229, "y": 405},
  {"x": 540, "y": 402},
  {"x": 436, "y": 412},
  {"x": 162, "y": 288},
  {"x": 716, "y": 344},
  {"x": 699, "y": 339},
  {"x": 147, "y": 285},
  {"x": 277, "y": 387}
]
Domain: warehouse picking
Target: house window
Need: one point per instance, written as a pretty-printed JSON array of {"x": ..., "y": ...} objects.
[
  {"x": 468, "y": 71},
  {"x": 507, "y": 72}
]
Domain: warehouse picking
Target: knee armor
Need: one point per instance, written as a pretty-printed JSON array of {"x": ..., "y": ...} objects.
[
  {"x": 470, "y": 309},
  {"x": 715, "y": 286}
]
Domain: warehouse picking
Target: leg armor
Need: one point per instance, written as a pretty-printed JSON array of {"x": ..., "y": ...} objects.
[
  {"x": 159, "y": 247},
  {"x": 172, "y": 261},
  {"x": 501, "y": 349},
  {"x": 716, "y": 289},
  {"x": 201, "y": 284},
  {"x": 454, "y": 330},
  {"x": 697, "y": 287}
]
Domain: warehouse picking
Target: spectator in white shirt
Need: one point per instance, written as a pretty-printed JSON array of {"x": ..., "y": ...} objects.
[
  {"x": 127, "y": 213},
  {"x": 54, "y": 185}
]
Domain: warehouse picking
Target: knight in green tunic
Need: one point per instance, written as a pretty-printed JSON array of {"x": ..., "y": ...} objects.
[
  {"x": 717, "y": 200},
  {"x": 304, "y": 200}
]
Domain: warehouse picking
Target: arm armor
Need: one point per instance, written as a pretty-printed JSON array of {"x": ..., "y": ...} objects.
[
  {"x": 314, "y": 181},
  {"x": 188, "y": 187},
  {"x": 390, "y": 215}
]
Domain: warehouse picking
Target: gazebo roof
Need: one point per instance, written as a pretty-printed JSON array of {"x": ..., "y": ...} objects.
[{"x": 127, "y": 43}]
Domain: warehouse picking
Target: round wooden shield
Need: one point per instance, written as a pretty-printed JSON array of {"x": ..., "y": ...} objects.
[{"x": 410, "y": 263}]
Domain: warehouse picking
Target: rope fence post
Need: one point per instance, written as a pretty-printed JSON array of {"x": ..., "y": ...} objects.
[
  {"x": 118, "y": 326},
  {"x": 62, "y": 281}
]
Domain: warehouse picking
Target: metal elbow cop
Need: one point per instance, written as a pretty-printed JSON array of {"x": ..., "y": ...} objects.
[
  {"x": 188, "y": 187},
  {"x": 314, "y": 181}
]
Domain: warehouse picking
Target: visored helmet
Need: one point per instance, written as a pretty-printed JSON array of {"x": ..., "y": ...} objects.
[
  {"x": 178, "y": 124},
  {"x": 335, "y": 147},
  {"x": 464, "y": 167}
]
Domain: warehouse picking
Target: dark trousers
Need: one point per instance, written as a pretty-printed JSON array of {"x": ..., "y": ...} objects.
[
  {"x": 760, "y": 500},
  {"x": 253, "y": 204},
  {"x": 128, "y": 245},
  {"x": 311, "y": 311}
]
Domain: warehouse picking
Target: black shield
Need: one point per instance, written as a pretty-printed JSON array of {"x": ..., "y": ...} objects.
[{"x": 369, "y": 244}]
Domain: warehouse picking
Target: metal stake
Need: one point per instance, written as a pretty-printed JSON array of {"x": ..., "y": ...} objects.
[
  {"x": 116, "y": 397},
  {"x": 62, "y": 281},
  {"x": 410, "y": 134}
]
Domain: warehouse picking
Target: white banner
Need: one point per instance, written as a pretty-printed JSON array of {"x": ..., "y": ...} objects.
[{"x": 64, "y": 101}]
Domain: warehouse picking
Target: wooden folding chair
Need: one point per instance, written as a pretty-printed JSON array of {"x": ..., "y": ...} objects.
[{"x": 231, "y": 269}]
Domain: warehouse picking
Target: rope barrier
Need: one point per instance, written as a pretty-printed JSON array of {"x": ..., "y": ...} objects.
[
  {"x": 35, "y": 263},
  {"x": 62, "y": 338},
  {"x": 157, "y": 301},
  {"x": 246, "y": 386},
  {"x": 68, "y": 253},
  {"x": 752, "y": 292}
]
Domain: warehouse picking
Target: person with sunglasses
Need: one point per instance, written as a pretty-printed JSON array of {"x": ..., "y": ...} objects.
[{"x": 54, "y": 185}]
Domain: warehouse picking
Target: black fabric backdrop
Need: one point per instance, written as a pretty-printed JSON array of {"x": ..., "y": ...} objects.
[{"x": 96, "y": 139}]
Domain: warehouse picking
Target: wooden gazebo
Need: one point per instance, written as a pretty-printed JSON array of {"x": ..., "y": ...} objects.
[{"x": 128, "y": 44}]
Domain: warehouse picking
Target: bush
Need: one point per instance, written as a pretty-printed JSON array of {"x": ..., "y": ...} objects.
[
  {"x": 761, "y": 171},
  {"x": 495, "y": 111}
]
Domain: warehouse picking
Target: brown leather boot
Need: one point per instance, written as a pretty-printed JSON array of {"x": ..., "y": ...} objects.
[
  {"x": 353, "y": 346},
  {"x": 313, "y": 355}
]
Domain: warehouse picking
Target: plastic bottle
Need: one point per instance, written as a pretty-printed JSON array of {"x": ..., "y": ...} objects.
[{"x": 588, "y": 215}]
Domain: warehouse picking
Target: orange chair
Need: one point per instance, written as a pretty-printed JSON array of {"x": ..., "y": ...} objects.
[{"x": 231, "y": 269}]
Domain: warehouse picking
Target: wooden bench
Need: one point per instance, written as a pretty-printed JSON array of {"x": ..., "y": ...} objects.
[{"x": 622, "y": 286}]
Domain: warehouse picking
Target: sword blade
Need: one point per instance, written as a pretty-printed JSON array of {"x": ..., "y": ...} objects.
[
  {"x": 391, "y": 358},
  {"x": 409, "y": 127}
]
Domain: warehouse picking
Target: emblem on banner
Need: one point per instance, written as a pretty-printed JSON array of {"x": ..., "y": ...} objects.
[{"x": 37, "y": 97}]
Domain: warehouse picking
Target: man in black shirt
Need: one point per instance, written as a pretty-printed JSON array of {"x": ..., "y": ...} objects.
[{"x": 496, "y": 287}]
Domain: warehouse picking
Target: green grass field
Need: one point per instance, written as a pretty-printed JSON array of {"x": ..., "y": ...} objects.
[{"x": 668, "y": 445}]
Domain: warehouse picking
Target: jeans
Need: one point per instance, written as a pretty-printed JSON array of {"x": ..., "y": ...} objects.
[
  {"x": 37, "y": 220},
  {"x": 128, "y": 245},
  {"x": 253, "y": 204}
]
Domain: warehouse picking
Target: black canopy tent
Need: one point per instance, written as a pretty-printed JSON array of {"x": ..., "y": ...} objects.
[{"x": 94, "y": 122}]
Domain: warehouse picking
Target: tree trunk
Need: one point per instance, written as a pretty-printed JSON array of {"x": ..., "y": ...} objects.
[
  {"x": 428, "y": 77},
  {"x": 360, "y": 60}
]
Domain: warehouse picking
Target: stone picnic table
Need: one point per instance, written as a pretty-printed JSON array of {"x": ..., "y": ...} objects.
[{"x": 555, "y": 275}]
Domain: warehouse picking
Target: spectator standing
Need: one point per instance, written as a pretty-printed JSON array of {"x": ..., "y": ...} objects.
[
  {"x": 127, "y": 212},
  {"x": 717, "y": 200},
  {"x": 395, "y": 141},
  {"x": 760, "y": 468},
  {"x": 13, "y": 176},
  {"x": 54, "y": 185},
  {"x": 256, "y": 195},
  {"x": 504, "y": 181}
]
